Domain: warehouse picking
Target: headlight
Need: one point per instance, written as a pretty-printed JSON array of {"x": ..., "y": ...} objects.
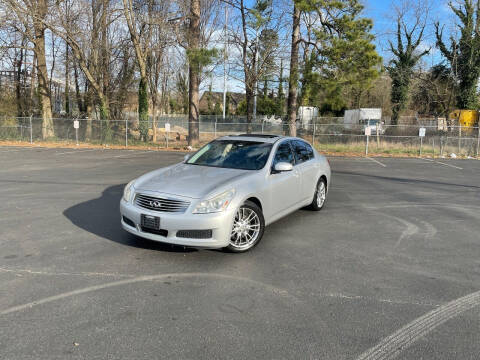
[
  {"x": 127, "y": 192},
  {"x": 216, "y": 204}
]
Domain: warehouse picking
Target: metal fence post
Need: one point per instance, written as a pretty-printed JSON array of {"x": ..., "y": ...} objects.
[
  {"x": 478, "y": 139},
  {"x": 421, "y": 145},
  {"x": 313, "y": 136},
  {"x": 459, "y": 137},
  {"x": 126, "y": 132},
  {"x": 366, "y": 146},
  {"x": 215, "y": 129},
  {"x": 433, "y": 146},
  {"x": 31, "y": 130}
]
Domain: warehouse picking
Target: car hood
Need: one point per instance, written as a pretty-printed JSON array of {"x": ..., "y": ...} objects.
[{"x": 191, "y": 181}]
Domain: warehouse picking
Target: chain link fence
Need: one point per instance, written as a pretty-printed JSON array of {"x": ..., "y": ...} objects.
[{"x": 327, "y": 134}]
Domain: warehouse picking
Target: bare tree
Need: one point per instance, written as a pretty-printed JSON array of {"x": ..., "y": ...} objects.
[
  {"x": 141, "y": 45},
  {"x": 253, "y": 61},
  {"x": 293, "y": 79},
  {"x": 194, "y": 37},
  {"x": 32, "y": 14},
  {"x": 411, "y": 21}
]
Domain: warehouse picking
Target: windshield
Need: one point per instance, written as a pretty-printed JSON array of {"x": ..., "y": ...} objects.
[{"x": 233, "y": 154}]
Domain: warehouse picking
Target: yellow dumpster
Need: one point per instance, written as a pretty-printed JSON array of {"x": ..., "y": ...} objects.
[{"x": 465, "y": 118}]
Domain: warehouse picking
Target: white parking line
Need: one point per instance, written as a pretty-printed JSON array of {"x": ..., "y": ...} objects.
[
  {"x": 378, "y": 162},
  {"x": 74, "y": 151},
  {"x": 125, "y": 156},
  {"x": 442, "y": 163},
  {"x": 13, "y": 149},
  {"x": 7, "y": 151}
]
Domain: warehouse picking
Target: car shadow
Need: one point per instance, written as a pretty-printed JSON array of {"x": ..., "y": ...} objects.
[{"x": 101, "y": 217}]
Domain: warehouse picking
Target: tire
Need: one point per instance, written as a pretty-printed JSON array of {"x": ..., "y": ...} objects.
[
  {"x": 248, "y": 227},
  {"x": 318, "y": 202}
]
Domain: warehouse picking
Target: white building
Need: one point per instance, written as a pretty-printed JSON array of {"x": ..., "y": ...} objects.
[
  {"x": 306, "y": 114},
  {"x": 363, "y": 116}
]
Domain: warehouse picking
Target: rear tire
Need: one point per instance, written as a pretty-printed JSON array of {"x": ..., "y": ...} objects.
[
  {"x": 248, "y": 227},
  {"x": 320, "y": 196}
]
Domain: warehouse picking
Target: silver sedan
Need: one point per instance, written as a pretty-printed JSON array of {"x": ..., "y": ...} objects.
[{"x": 225, "y": 194}]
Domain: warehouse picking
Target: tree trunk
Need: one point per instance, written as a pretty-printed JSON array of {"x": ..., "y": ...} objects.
[
  {"x": 141, "y": 60},
  {"x": 78, "y": 96},
  {"x": 154, "y": 119},
  {"x": 293, "y": 79},
  {"x": 32, "y": 84},
  {"x": 143, "y": 108},
  {"x": 249, "y": 94},
  {"x": 67, "y": 82},
  {"x": 104, "y": 54},
  {"x": 42, "y": 71},
  {"x": 193, "y": 73},
  {"x": 107, "y": 134},
  {"x": 18, "y": 86}
]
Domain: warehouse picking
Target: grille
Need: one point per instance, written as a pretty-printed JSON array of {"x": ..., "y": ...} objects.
[
  {"x": 128, "y": 221},
  {"x": 194, "y": 234},
  {"x": 161, "y": 204},
  {"x": 160, "y": 232}
]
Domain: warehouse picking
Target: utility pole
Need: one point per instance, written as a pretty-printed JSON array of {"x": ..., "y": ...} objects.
[{"x": 225, "y": 64}]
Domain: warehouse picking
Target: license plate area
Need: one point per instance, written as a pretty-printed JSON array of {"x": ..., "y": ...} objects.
[{"x": 150, "y": 222}]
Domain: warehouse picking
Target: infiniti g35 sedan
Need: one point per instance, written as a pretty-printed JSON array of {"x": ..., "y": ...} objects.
[{"x": 225, "y": 194}]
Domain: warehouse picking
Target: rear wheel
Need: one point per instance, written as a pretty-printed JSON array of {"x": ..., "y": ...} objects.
[
  {"x": 320, "y": 195},
  {"x": 248, "y": 227}
]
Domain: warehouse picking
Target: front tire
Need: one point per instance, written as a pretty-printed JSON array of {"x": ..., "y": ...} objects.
[
  {"x": 248, "y": 227},
  {"x": 320, "y": 196}
]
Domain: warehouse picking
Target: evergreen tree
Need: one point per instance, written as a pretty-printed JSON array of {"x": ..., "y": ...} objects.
[
  {"x": 406, "y": 57},
  {"x": 464, "y": 53},
  {"x": 343, "y": 57}
]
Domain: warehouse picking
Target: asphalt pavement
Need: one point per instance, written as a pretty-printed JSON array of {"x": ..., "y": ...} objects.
[{"x": 390, "y": 268}]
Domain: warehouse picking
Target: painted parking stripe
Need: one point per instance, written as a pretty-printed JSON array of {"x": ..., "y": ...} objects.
[
  {"x": 13, "y": 149},
  {"x": 145, "y": 278},
  {"x": 390, "y": 347},
  {"x": 442, "y": 163},
  {"x": 378, "y": 162},
  {"x": 7, "y": 151},
  {"x": 130, "y": 155},
  {"x": 74, "y": 151}
]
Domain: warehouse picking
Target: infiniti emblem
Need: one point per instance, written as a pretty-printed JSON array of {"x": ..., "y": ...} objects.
[{"x": 155, "y": 204}]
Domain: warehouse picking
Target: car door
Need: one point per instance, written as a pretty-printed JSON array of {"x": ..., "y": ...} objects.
[
  {"x": 285, "y": 187},
  {"x": 306, "y": 167}
]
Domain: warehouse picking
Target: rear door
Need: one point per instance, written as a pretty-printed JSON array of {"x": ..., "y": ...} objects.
[
  {"x": 304, "y": 162},
  {"x": 285, "y": 187}
]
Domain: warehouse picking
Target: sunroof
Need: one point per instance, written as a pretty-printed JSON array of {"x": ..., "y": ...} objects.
[{"x": 270, "y": 136}]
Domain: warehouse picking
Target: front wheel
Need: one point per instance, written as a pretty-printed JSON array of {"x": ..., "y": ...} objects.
[
  {"x": 248, "y": 227},
  {"x": 320, "y": 195}
]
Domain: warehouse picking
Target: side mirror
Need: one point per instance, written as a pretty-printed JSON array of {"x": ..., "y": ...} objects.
[
  {"x": 283, "y": 166},
  {"x": 186, "y": 157}
]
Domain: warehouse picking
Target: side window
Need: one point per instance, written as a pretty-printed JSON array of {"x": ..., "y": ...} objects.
[
  {"x": 284, "y": 154},
  {"x": 301, "y": 151},
  {"x": 309, "y": 151}
]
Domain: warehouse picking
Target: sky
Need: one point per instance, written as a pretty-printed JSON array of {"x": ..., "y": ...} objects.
[
  {"x": 382, "y": 14},
  {"x": 382, "y": 11}
]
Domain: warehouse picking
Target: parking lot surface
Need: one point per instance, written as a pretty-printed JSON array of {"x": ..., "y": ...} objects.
[{"x": 390, "y": 268}]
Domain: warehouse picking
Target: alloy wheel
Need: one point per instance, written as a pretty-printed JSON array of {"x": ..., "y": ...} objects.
[
  {"x": 246, "y": 228},
  {"x": 321, "y": 193}
]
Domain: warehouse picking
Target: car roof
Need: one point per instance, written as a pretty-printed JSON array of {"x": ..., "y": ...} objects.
[{"x": 266, "y": 138}]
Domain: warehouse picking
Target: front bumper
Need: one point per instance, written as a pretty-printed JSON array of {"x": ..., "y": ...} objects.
[{"x": 219, "y": 223}]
